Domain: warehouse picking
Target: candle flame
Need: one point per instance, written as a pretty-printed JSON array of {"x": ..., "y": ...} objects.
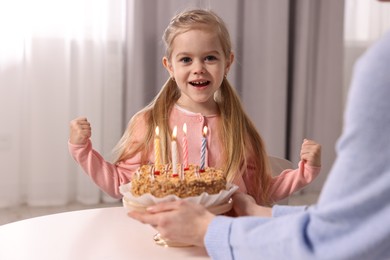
[
  {"x": 204, "y": 130},
  {"x": 174, "y": 133},
  {"x": 157, "y": 131},
  {"x": 185, "y": 128}
]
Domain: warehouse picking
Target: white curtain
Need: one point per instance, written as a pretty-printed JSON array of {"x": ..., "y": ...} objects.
[
  {"x": 58, "y": 60},
  {"x": 102, "y": 59},
  {"x": 317, "y": 79},
  {"x": 365, "y": 22}
]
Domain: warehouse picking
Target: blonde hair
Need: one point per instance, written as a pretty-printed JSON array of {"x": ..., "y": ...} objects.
[{"x": 238, "y": 133}]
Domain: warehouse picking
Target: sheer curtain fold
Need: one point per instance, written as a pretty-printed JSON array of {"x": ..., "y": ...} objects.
[
  {"x": 317, "y": 79},
  {"x": 62, "y": 68},
  {"x": 263, "y": 69},
  {"x": 365, "y": 22}
]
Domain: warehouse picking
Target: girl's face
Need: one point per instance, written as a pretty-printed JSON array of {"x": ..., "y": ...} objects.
[{"x": 198, "y": 66}]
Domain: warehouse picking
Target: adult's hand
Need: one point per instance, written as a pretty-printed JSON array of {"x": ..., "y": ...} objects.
[
  {"x": 245, "y": 205},
  {"x": 177, "y": 221}
]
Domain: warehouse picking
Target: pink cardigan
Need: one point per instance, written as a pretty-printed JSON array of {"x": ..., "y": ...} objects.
[{"x": 109, "y": 176}]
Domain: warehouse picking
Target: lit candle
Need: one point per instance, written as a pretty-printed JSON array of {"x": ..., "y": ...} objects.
[
  {"x": 174, "y": 151},
  {"x": 157, "y": 149},
  {"x": 185, "y": 147},
  {"x": 203, "y": 149}
]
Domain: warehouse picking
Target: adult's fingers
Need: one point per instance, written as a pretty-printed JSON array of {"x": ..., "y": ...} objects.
[
  {"x": 167, "y": 206},
  {"x": 143, "y": 217}
]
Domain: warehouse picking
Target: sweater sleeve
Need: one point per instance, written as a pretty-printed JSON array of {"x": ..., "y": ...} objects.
[
  {"x": 258, "y": 238},
  {"x": 282, "y": 210},
  {"x": 290, "y": 181},
  {"x": 282, "y": 185},
  {"x": 107, "y": 176}
]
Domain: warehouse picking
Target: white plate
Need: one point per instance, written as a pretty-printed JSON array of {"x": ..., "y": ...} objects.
[
  {"x": 217, "y": 209},
  {"x": 204, "y": 199}
]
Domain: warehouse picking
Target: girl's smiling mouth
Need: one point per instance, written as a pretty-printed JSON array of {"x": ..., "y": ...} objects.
[{"x": 202, "y": 83}]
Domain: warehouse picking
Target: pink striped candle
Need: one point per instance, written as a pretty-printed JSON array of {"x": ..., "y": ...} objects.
[{"x": 185, "y": 147}]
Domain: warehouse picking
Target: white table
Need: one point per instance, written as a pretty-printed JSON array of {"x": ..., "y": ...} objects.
[{"x": 103, "y": 233}]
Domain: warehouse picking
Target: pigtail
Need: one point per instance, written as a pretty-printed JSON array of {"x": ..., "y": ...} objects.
[
  {"x": 241, "y": 136},
  {"x": 155, "y": 114},
  {"x": 161, "y": 110}
]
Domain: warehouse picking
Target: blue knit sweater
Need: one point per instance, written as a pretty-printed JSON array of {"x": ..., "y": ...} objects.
[{"x": 352, "y": 217}]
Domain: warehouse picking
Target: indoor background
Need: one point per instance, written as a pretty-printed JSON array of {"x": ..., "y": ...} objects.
[{"x": 60, "y": 59}]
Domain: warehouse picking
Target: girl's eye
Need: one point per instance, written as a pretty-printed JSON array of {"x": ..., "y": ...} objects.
[
  {"x": 210, "y": 58},
  {"x": 185, "y": 60}
]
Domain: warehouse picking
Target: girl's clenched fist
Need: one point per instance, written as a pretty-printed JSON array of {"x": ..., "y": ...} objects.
[{"x": 80, "y": 130}]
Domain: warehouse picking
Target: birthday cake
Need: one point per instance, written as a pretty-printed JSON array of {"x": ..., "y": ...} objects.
[{"x": 161, "y": 181}]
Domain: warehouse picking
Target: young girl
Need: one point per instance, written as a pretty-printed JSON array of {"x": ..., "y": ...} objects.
[{"x": 198, "y": 58}]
